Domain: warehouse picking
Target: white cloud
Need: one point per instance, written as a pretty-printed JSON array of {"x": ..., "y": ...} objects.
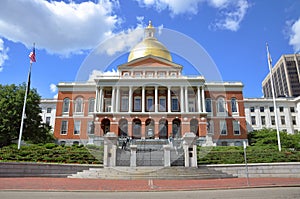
[
  {"x": 3, "y": 54},
  {"x": 55, "y": 96},
  {"x": 232, "y": 11},
  {"x": 295, "y": 36},
  {"x": 53, "y": 88},
  {"x": 96, "y": 73},
  {"x": 56, "y": 26}
]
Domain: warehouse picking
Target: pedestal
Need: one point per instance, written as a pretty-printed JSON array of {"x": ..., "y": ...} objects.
[
  {"x": 133, "y": 155},
  {"x": 110, "y": 150}
]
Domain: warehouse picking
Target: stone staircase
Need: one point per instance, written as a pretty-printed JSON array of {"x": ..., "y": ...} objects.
[{"x": 202, "y": 172}]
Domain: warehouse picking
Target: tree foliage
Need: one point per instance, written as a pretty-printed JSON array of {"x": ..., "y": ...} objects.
[
  {"x": 11, "y": 106},
  {"x": 268, "y": 138}
]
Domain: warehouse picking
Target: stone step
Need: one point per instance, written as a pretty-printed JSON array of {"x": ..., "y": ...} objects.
[{"x": 151, "y": 173}]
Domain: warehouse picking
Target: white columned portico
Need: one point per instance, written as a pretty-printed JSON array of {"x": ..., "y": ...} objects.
[
  {"x": 118, "y": 99},
  {"x": 182, "y": 99},
  {"x": 143, "y": 99},
  {"x": 186, "y": 99},
  {"x": 198, "y": 99},
  {"x": 169, "y": 99},
  {"x": 130, "y": 99},
  {"x": 203, "y": 99},
  {"x": 156, "y": 99}
]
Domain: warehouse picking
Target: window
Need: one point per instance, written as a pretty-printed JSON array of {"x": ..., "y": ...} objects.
[
  {"x": 66, "y": 105},
  {"x": 49, "y": 110},
  {"x": 91, "y": 105},
  {"x": 233, "y": 105},
  {"x": 221, "y": 105},
  {"x": 208, "y": 105},
  {"x": 292, "y": 109},
  {"x": 294, "y": 120},
  {"x": 161, "y": 74},
  {"x": 175, "y": 105},
  {"x": 210, "y": 127},
  {"x": 281, "y": 109},
  {"x": 236, "y": 127},
  {"x": 252, "y": 109},
  {"x": 271, "y": 109},
  {"x": 107, "y": 104},
  {"x": 138, "y": 74},
  {"x": 79, "y": 105},
  {"x": 223, "y": 128},
  {"x": 282, "y": 119},
  {"x": 150, "y": 106},
  {"x": 91, "y": 127},
  {"x": 273, "y": 120},
  {"x": 64, "y": 127},
  {"x": 137, "y": 103},
  {"x": 124, "y": 103},
  {"x": 77, "y": 127},
  {"x": 192, "y": 105},
  {"x": 253, "y": 120},
  {"x": 263, "y": 120},
  {"x": 162, "y": 103},
  {"x": 48, "y": 120},
  {"x": 262, "y": 109}
]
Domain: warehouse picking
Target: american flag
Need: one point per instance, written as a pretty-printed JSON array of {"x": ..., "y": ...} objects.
[{"x": 32, "y": 55}]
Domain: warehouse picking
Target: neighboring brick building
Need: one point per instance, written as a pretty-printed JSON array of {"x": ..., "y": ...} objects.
[{"x": 150, "y": 99}]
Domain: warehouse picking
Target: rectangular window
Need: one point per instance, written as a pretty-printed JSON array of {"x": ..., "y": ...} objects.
[
  {"x": 210, "y": 127},
  {"x": 281, "y": 109},
  {"x": 233, "y": 105},
  {"x": 48, "y": 120},
  {"x": 252, "y": 109},
  {"x": 253, "y": 120},
  {"x": 175, "y": 105},
  {"x": 223, "y": 128},
  {"x": 282, "y": 119},
  {"x": 273, "y": 120},
  {"x": 271, "y": 109},
  {"x": 236, "y": 127},
  {"x": 91, "y": 127},
  {"x": 150, "y": 106},
  {"x": 64, "y": 127},
  {"x": 91, "y": 105},
  {"x": 292, "y": 109},
  {"x": 137, "y": 104},
  {"x": 294, "y": 120},
  {"x": 208, "y": 105},
  {"x": 107, "y": 104},
  {"x": 192, "y": 105},
  {"x": 262, "y": 109},
  {"x": 221, "y": 105},
  {"x": 77, "y": 127},
  {"x": 49, "y": 110},
  {"x": 162, "y": 104},
  {"x": 124, "y": 103},
  {"x": 263, "y": 120}
]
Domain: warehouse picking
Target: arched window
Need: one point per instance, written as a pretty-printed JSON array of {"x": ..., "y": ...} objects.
[
  {"x": 123, "y": 128},
  {"x": 105, "y": 126},
  {"x": 221, "y": 106},
  {"x": 233, "y": 105},
  {"x": 136, "y": 128},
  {"x": 149, "y": 128},
  {"x": 208, "y": 105},
  {"x": 176, "y": 128},
  {"x": 78, "y": 105},
  {"x": 66, "y": 105},
  {"x": 91, "y": 105},
  {"x": 194, "y": 126},
  {"x": 163, "y": 129}
]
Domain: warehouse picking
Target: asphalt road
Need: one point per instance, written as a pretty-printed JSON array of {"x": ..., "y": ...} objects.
[{"x": 257, "y": 193}]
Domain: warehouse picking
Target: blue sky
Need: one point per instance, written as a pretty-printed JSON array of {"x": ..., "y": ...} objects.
[{"x": 232, "y": 32}]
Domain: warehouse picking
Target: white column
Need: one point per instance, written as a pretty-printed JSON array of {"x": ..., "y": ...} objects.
[
  {"x": 156, "y": 104},
  {"x": 203, "y": 99},
  {"x": 198, "y": 99},
  {"x": 186, "y": 100},
  {"x": 118, "y": 100},
  {"x": 96, "y": 107},
  {"x": 130, "y": 99},
  {"x": 169, "y": 99},
  {"x": 182, "y": 99},
  {"x": 100, "y": 100},
  {"x": 113, "y": 99},
  {"x": 143, "y": 99}
]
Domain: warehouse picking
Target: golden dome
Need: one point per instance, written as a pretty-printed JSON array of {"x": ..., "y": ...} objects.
[{"x": 149, "y": 46}]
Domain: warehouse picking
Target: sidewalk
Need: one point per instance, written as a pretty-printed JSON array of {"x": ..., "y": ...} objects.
[{"x": 72, "y": 184}]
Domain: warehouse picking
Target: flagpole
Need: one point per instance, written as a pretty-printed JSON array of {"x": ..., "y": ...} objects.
[
  {"x": 274, "y": 100},
  {"x": 24, "y": 107}
]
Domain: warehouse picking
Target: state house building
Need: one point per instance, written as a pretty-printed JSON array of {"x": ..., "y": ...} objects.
[{"x": 150, "y": 99}]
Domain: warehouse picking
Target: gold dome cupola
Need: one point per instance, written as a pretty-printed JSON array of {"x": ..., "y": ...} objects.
[{"x": 149, "y": 46}]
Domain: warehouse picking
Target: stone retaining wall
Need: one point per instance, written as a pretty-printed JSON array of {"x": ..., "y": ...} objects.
[{"x": 286, "y": 170}]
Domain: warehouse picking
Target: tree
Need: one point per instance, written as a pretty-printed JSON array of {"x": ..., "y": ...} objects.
[
  {"x": 11, "y": 105},
  {"x": 268, "y": 137}
]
